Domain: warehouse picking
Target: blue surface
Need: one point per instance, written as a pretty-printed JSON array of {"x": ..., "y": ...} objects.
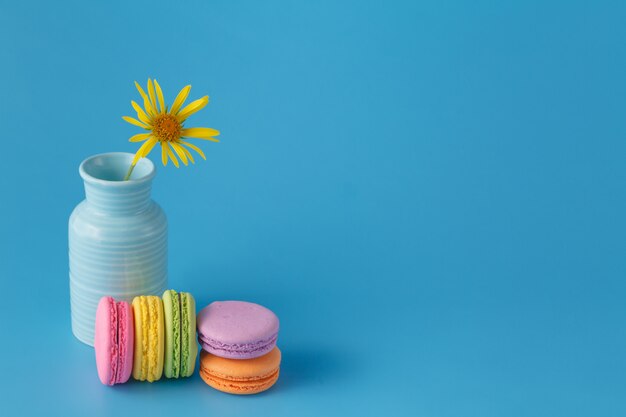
[{"x": 429, "y": 195}]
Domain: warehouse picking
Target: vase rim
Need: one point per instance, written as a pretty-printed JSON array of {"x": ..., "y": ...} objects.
[{"x": 92, "y": 163}]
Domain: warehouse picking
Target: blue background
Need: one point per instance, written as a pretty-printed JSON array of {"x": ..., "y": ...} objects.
[{"x": 430, "y": 195}]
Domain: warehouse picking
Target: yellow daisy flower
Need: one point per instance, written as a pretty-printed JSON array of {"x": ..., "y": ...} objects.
[{"x": 167, "y": 126}]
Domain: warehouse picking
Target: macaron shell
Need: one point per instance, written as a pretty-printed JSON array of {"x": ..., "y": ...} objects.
[
  {"x": 246, "y": 376},
  {"x": 172, "y": 321},
  {"x": 189, "y": 349},
  {"x": 237, "y": 329},
  {"x": 126, "y": 341},
  {"x": 149, "y": 338},
  {"x": 105, "y": 340}
]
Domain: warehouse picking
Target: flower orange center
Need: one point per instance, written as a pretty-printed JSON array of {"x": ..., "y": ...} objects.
[{"x": 166, "y": 127}]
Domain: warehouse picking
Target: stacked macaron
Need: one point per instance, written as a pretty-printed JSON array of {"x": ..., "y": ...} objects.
[
  {"x": 239, "y": 347},
  {"x": 149, "y": 338}
]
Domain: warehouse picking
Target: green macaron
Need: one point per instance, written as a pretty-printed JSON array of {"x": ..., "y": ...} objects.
[{"x": 181, "y": 349}]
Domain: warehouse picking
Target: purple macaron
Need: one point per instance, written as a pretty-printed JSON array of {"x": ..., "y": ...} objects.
[{"x": 237, "y": 329}]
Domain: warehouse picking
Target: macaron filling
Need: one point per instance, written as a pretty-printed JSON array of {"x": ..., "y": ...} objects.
[
  {"x": 184, "y": 335},
  {"x": 233, "y": 350},
  {"x": 120, "y": 342},
  {"x": 113, "y": 310},
  {"x": 176, "y": 330},
  {"x": 240, "y": 385}
]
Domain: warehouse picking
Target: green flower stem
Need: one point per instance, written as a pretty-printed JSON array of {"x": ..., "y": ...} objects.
[{"x": 130, "y": 171}]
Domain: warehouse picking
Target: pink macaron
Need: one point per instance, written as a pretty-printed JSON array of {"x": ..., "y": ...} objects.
[{"x": 114, "y": 341}]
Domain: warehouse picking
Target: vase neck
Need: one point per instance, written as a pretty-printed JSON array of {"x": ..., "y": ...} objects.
[{"x": 117, "y": 197}]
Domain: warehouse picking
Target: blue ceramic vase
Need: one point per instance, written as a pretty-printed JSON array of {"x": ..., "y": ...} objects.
[{"x": 117, "y": 238}]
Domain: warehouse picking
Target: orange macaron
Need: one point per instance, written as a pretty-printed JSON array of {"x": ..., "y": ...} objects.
[{"x": 240, "y": 376}]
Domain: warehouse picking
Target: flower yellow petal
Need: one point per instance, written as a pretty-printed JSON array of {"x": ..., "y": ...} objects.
[
  {"x": 189, "y": 155},
  {"x": 147, "y": 146},
  {"x": 179, "y": 151},
  {"x": 194, "y": 147},
  {"x": 191, "y": 108},
  {"x": 141, "y": 92},
  {"x": 151, "y": 94},
  {"x": 160, "y": 96},
  {"x": 151, "y": 111},
  {"x": 199, "y": 132},
  {"x": 211, "y": 139},
  {"x": 163, "y": 153},
  {"x": 146, "y": 102},
  {"x": 140, "y": 137},
  {"x": 171, "y": 155},
  {"x": 135, "y": 122},
  {"x": 140, "y": 113},
  {"x": 180, "y": 99}
]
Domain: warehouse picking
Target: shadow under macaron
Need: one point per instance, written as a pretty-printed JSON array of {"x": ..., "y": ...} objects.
[{"x": 304, "y": 367}]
